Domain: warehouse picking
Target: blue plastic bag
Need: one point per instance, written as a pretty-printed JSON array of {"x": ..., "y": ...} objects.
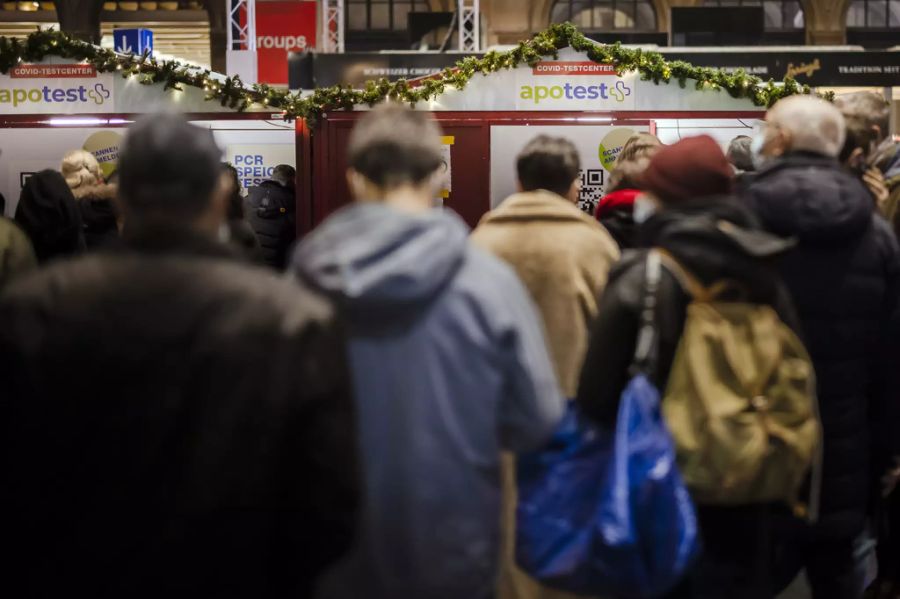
[{"x": 606, "y": 513}]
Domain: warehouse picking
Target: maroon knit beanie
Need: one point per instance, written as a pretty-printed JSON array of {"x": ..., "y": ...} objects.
[{"x": 694, "y": 167}]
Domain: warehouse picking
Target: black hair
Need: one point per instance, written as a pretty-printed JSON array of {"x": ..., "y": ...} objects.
[
  {"x": 394, "y": 145},
  {"x": 168, "y": 169},
  {"x": 550, "y": 163},
  {"x": 284, "y": 174}
]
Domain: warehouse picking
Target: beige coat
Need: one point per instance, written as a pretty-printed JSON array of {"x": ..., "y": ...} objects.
[{"x": 563, "y": 256}]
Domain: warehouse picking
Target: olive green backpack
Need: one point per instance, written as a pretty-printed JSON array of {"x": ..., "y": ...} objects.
[{"x": 740, "y": 401}]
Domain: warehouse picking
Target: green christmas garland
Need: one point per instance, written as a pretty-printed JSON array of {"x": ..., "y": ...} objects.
[{"x": 231, "y": 92}]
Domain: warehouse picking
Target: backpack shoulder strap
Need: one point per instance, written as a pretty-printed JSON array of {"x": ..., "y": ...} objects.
[
  {"x": 690, "y": 283},
  {"x": 645, "y": 346}
]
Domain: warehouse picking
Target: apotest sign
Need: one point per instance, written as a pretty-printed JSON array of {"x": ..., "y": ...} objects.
[
  {"x": 574, "y": 85},
  {"x": 55, "y": 89}
]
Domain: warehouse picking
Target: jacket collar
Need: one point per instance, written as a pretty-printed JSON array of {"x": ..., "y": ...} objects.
[
  {"x": 95, "y": 193},
  {"x": 537, "y": 205},
  {"x": 167, "y": 240},
  {"x": 797, "y": 159},
  {"x": 717, "y": 238}
]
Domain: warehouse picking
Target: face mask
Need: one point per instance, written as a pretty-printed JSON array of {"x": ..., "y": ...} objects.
[
  {"x": 644, "y": 208},
  {"x": 756, "y": 149}
]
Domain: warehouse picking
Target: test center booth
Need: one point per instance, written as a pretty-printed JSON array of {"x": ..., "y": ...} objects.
[
  {"x": 496, "y": 114},
  {"x": 55, "y": 105}
]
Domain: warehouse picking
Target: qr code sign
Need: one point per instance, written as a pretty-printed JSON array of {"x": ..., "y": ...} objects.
[{"x": 592, "y": 180}]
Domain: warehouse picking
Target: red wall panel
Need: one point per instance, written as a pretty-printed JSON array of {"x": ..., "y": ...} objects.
[
  {"x": 470, "y": 165},
  {"x": 324, "y": 175}
]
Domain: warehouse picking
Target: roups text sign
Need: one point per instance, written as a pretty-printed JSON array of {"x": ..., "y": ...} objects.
[{"x": 282, "y": 28}]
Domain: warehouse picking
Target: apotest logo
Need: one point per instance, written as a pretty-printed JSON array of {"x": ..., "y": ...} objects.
[
  {"x": 96, "y": 93},
  {"x": 616, "y": 90}
]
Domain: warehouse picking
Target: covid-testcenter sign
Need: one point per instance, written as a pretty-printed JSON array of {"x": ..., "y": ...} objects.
[
  {"x": 282, "y": 28},
  {"x": 574, "y": 85},
  {"x": 255, "y": 162},
  {"x": 55, "y": 89}
]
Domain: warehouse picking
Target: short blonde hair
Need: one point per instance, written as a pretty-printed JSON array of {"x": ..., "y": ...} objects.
[{"x": 80, "y": 169}]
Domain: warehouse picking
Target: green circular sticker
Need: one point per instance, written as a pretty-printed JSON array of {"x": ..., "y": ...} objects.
[
  {"x": 104, "y": 145},
  {"x": 612, "y": 144}
]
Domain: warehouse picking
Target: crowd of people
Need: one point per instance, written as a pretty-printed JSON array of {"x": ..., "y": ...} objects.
[
  {"x": 74, "y": 210},
  {"x": 180, "y": 420}
]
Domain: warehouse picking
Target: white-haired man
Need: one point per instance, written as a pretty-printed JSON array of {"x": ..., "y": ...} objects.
[{"x": 844, "y": 276}]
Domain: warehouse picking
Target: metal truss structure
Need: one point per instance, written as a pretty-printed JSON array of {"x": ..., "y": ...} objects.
[
  {"x": 469, "y": 12},
  {"x": 241, "y": 24},
  {"x": 332, "y": 33}
]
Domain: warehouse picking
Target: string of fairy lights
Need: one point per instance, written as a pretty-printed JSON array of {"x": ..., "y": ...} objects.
[{"x": 231, "y": 92}]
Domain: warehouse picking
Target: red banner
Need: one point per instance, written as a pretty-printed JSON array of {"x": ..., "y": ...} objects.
[{"x": 282, "y": 27}]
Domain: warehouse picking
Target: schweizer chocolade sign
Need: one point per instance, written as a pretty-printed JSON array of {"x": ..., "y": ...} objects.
[{"x": 816, "y": 68}]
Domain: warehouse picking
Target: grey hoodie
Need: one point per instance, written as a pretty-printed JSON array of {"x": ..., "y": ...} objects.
[{"x": 449, "y": 366}]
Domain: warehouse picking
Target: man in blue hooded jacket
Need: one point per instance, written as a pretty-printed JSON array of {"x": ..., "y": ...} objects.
[{"x": 449, "y": 365}]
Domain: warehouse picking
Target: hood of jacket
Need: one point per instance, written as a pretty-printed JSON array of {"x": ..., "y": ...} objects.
[
  {"x": 98, "y": 210},
  {"x": 812, "y": 198},
  {"x": 539, "y": 205},
  {"x": 48, "y": 213},
  {"x": 96, "y": 193},
  {"x": 373, "y": 259},
  {"x": 718, "y": 238}
]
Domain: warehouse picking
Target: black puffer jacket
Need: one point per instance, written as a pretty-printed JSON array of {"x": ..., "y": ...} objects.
[
  {"x": 271, "y": 212},
  {"x": 694, "y": 236},
  {"x": 844, "y": 277},
  {"x": 173, "y": 424},
  {"x": 49, "y": 215},
  {"x": 99, "y": 216}
]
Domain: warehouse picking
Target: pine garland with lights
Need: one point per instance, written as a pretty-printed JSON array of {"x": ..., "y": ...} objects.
[{"x": 232, "y": 93}]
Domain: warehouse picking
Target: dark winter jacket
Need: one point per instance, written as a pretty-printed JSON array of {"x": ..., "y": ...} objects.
[
  {"x": 715, "y": 239},
  {"x": 271, "y": 211},
  {"x": 16, "y": 254},
  {"x": 98, "y": 215},
  {"x": 174, "y": 424},
  {"x": 844, "y": 277},
  {"x": 695, "y": 236},
  {"x": 49, "y": 215},
  {"x": 241, "y": 233},
  {"x": 243, "y": 238},
  {"x": 615, "y": 211}
]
